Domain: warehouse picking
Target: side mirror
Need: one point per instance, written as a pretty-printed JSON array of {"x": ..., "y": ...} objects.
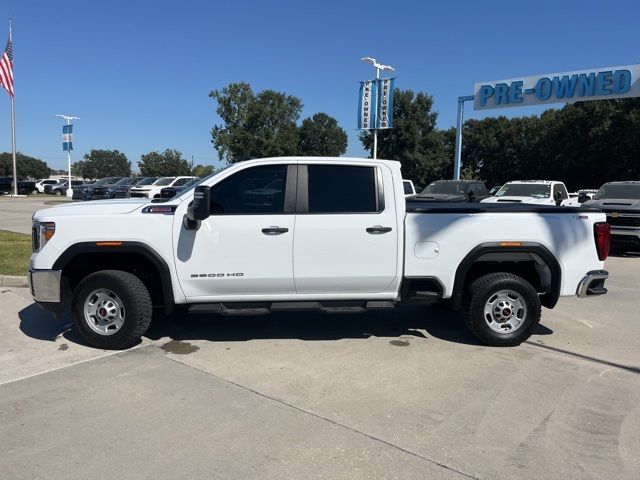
[
  {"x": 199, "y": 208},
  {"x": 471, "y": 195},
  {"x": 558, "y": 198},
  {"x": 583, "y": 197}
]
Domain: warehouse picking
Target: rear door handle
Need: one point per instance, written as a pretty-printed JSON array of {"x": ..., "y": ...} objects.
[
  {"x": 274, "y": 230},
  {"x": 378, "y": 230}
]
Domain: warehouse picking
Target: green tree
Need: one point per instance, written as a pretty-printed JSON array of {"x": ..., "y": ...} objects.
[
  {"x": 414, "y": 141},
  {"x": 26, "y": 166},
  {"x": 167, "y": 164},
  {"x": 321, "y": 136},
  {"x": 102, "y": 163},
  {"x": 254, "y": 126},
  {"x": 583, "y": 144},
  {"x": 202, "y": 170}
]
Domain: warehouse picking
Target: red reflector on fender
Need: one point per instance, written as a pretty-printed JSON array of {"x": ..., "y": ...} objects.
[{"x": 108, "y": 244}]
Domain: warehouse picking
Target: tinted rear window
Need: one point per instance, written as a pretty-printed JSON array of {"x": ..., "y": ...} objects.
[{"x": 341, "y": 189}]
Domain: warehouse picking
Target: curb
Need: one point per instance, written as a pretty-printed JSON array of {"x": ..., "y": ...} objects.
[{"x": 14, "y": 281}]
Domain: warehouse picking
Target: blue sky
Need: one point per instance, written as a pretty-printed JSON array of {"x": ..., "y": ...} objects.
[{"x": 138, "y": 73}]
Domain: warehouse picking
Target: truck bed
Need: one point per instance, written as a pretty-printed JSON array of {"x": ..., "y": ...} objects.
[{"x": 416, "y": 205}]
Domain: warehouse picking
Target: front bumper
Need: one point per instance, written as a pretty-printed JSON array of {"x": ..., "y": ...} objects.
[
  {"x": 592, "y": 284},
  {"x": 45, "y": 285}
]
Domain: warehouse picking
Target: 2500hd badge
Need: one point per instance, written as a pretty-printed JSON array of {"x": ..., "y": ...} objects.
[{"x": 216, "y": 275}]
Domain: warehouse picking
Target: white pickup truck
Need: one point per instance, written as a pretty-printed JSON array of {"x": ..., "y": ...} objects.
[
  {"x": 333, "y": 234},
  {"x": 539, "y": 192}
]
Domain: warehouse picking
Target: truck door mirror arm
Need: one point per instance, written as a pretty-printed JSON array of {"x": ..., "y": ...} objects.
[{"x": 199, "y": 208}]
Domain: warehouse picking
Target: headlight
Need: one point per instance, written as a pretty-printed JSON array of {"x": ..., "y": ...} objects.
[{"x": 41, "y": 233}]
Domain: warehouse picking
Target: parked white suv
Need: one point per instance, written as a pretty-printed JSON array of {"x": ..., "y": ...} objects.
[
  {"x": 329, "y": 234},
  {"x": 40, "y": 184},
  {"x": 153, "y": 190},
  {"x": 539, "y": 192}
]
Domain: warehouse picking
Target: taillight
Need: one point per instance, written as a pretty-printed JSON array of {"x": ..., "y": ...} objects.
[{"x": 602, "y": 235}]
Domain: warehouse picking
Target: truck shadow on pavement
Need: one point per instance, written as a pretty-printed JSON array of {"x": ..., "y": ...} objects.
[{"x": 406, "y": 321}]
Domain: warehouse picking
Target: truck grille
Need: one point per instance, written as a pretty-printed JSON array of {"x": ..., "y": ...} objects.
[
  {"x": 623, "y": 221},
  {"x": 139, "y": 194},
  {"x": 35, "y": 239}
]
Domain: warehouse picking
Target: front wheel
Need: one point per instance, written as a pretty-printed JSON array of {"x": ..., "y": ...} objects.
[
  {"x": 112, "y": 309},
  {"x": 502, "y": 309}
]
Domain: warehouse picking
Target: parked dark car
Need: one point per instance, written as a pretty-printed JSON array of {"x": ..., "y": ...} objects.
[
  {"x": 122, "y": 188},
  {"x": 62, "y": 186},
  {"x": 621, "y": 202},
  {"x": 97, "y": 190},
  {"x": 170, "y": 192},
  {"x": 24, "y": 187},
  {"x": 453, "y": 191}
]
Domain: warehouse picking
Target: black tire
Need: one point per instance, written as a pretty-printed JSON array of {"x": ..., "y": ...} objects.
[
  {"x": 136, "y": 302},
  {"x": 58, "y": 192},
  {"x": 482, "y": 290},
  {"x": 23, "y": 191}
]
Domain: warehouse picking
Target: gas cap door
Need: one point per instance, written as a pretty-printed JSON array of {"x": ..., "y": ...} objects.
[{"x": 426, "y": 250}]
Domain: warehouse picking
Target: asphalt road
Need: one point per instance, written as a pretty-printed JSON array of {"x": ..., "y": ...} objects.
[
  {"x": 406, "y": 394},
  {"x": 16, "y": 213}
]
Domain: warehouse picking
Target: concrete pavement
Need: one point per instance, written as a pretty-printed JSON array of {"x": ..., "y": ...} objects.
[
  {"x": 16, "y": 213},
  {"x": 404, "y": 394}
]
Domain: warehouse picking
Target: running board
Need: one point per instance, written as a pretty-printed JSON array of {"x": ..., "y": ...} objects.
[{"x": 263, "y": 308}]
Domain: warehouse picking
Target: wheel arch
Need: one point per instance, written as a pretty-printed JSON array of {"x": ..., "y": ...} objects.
[
  {"x": 505, "y": 257},
  {"x": 84, "y": 258}
]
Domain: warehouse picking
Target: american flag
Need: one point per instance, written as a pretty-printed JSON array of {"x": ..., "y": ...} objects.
[{"x": 6, "y": 69}]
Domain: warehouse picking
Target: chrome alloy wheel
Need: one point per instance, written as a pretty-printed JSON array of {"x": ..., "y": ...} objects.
[
  {"x": 505, "y": 311},
  {"x": 104, "y": 311}
]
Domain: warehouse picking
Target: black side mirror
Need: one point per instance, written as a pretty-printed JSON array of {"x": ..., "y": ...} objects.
[
  {"x": 471, "y": 194},
  {"x": 558, "y": 198},
  {"x": 199, "y": 208},
  {"x": 582, "y": 197}
]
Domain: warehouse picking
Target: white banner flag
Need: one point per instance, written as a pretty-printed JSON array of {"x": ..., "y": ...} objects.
[{"x": 367, "y": 105}]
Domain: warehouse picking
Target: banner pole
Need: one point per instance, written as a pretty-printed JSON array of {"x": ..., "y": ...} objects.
[
  {"x": 375, "y": 130},
  {"x": 459, "y": 123},
  {"x": 69, "y": 165}
]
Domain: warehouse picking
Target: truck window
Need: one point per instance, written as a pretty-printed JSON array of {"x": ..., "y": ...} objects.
[
  {"x": 557, "y": 188},
  {"x": 253, "y": 191},
  {"x": 342, "y": 189}
]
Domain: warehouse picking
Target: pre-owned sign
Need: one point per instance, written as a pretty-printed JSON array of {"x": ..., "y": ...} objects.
[{"x": 596, "y": 84}]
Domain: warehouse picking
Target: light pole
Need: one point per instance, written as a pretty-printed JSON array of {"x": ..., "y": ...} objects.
[
  {"x": 69, "y": 189},
  {"x": 379, "y": 68}
]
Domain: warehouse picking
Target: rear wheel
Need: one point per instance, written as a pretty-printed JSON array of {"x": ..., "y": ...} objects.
[
  {"x": 502, "y": 309},
  {"x": 112, "y": 309}
]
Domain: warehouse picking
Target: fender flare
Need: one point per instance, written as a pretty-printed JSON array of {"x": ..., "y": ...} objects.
[
  {"x": 550, "y": 298},
  {"x": 124, "y": 247}
]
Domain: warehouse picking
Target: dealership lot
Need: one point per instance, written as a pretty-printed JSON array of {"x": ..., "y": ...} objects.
[
  {"x": 404, "y": 394},
  {"x": 16, "y": 212}
]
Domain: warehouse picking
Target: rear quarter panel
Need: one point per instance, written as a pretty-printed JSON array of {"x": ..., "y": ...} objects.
[{"x": 569, "y": 237}]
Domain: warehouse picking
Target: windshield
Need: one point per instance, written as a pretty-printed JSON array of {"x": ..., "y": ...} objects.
[
  {"x": 102, "y": 181},
  {"x": 125, "y": 181},
  {"x": 147, "y": 181},
  {"x": 448, "y": 188},
  {"x": 536, "y": 190},
  {"x": 191, "y": 183},
  {"x": 630, "y": 190},
  {"x": 164, "y": 181}
]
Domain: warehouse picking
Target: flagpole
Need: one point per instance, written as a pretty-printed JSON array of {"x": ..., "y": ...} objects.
[{"x": 13, "y": 132}]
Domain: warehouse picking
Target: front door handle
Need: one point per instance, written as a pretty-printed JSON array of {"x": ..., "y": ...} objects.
[
  {"x": 274, "y": 230},
  {"x": 378, "y": 230}
]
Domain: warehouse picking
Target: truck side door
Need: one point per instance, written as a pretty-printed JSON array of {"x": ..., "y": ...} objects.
[
  {"x": 245, "y": 247},
  {"x": 346, "y": 236}
]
